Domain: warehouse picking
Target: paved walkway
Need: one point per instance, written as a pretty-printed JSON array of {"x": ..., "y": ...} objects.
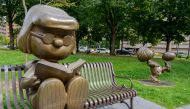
[
  {"x": 140, "y": 103},
  {"x": 184, "y": 107}
]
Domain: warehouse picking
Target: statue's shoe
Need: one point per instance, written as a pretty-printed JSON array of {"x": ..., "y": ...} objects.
[
  {"x": 51, "y": 94},
  {"x": 154, "y": 79},
  {"x": 77, "y": 92}
]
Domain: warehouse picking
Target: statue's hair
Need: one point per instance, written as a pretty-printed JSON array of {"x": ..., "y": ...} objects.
[{"x": 45, "y": 16}]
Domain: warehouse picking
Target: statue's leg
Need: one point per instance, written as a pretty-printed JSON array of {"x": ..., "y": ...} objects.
[
  {"x": 33, "y": 100},
  {"x": 77, "y": 92},
  {"x": 51, "y": 94},
  {"x": 154, "y": 78}
]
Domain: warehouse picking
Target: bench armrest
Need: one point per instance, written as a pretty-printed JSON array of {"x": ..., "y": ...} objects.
[{"x": 126, "y": 77}]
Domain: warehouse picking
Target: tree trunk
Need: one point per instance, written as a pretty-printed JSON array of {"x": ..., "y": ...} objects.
[
  {"x": 121, "y": 45},
  {"x": 77, "y": 44},
  {"x": 11, "y": 35},
  {"x": 168, "y": 43},
  {"x": 188, "y": 48},
  {"x": 177, "y": 48},
  {"x": 113, "y": 37},
  {"x": 110, "y": 44}
]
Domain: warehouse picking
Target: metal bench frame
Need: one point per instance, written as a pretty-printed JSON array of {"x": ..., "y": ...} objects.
[{"x": 100, "y": 75}]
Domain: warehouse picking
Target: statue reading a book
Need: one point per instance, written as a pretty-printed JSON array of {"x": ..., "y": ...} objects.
[{"x": 49, "y": 34}]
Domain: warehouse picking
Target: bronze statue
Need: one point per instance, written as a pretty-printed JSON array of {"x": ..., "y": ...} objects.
[
  {"x": 145, "y": 54},
  {"x": 49, "y": 34}
]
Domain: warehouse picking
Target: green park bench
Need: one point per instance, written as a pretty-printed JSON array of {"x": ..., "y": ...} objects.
[{"x": 103, "y": 89}]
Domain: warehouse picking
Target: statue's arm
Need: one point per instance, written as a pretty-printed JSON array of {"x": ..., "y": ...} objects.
[
  {"x": 29, "y": 79},
  {"x": 29, "y": 82},
  {"x": 153, "y": 63}
]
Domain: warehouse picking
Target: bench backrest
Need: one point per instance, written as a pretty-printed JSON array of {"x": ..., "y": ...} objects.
[{"x": 99, "y": 75}]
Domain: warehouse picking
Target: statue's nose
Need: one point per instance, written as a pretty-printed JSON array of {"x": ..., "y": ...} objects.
[{"x": 58, "y": 42}]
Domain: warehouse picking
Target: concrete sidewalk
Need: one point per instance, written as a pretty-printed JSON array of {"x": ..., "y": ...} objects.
[
  {"x": 184, "y": 107},
  {"x": 139, "y": 103}
]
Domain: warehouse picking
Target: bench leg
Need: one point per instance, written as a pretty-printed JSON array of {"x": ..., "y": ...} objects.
[
  {"x": 131, "y": 103},
  {"x": 126, "y": 104}
]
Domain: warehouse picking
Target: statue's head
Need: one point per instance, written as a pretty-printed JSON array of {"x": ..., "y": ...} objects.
[
  {"x": 48, "y": 33},
  {"x": 144, "y": 54},
  {"x": 168, "y": 56}
]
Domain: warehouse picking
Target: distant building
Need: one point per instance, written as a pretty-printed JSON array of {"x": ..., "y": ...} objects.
[
  {"x": 4, "y": 27},
  {"x": 161, "y": 47}
]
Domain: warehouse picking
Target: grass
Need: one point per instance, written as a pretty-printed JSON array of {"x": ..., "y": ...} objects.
[{"x": 170, "y": 97}]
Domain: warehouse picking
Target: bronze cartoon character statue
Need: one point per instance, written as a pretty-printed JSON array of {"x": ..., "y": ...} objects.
[
  {"x": 145, "y": 54},
  {"x": 49, "y": 34}
]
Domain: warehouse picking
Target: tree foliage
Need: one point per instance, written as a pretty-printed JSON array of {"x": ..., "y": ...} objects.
[
  {"x": 174, "y": 19},
  {"x": 9, "y": 8},
  {"x": 104, "y": 18},
  {"x": 137, "y": 20}
]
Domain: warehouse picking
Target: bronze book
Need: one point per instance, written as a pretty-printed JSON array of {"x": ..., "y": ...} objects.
[{"x": 45, "y": 69}]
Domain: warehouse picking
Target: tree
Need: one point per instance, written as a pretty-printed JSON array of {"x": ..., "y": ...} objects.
[
  {"x": 142, "y": 19},
  {"x": 105, "y": 14},
  {"x": 72, "y": 8},
  {"x": 14, "y": 12},
  {"x": 9, "y": 8},
  {"x": 174, "y": 19}
]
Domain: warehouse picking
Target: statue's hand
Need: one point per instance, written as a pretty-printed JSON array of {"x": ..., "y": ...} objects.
[
  {"x": 76, "y": 66},
  {"x": 34, "y": 81},
  {"x": 29, "y": 82},
  {"x": 168, "y": 66}
]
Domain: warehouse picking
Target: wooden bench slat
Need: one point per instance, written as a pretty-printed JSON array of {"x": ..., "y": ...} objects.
[
  {"x": 19, "y": 70},
  {"x": 1, "y": 91},
  {"x": 7, "y": 88},
  {"x": 14, "y": 87}
]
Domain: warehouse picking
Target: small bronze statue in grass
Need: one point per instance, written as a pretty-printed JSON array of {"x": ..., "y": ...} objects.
[
  {"x": 146, "y": 54},
  {"x": 49, "y": 34}
]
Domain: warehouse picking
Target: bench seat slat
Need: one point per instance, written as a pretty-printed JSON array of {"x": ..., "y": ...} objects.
[{"x": 120, "y": 93}]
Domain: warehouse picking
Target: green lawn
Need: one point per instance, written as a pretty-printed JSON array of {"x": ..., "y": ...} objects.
[{"x": 170, "y": 97}]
